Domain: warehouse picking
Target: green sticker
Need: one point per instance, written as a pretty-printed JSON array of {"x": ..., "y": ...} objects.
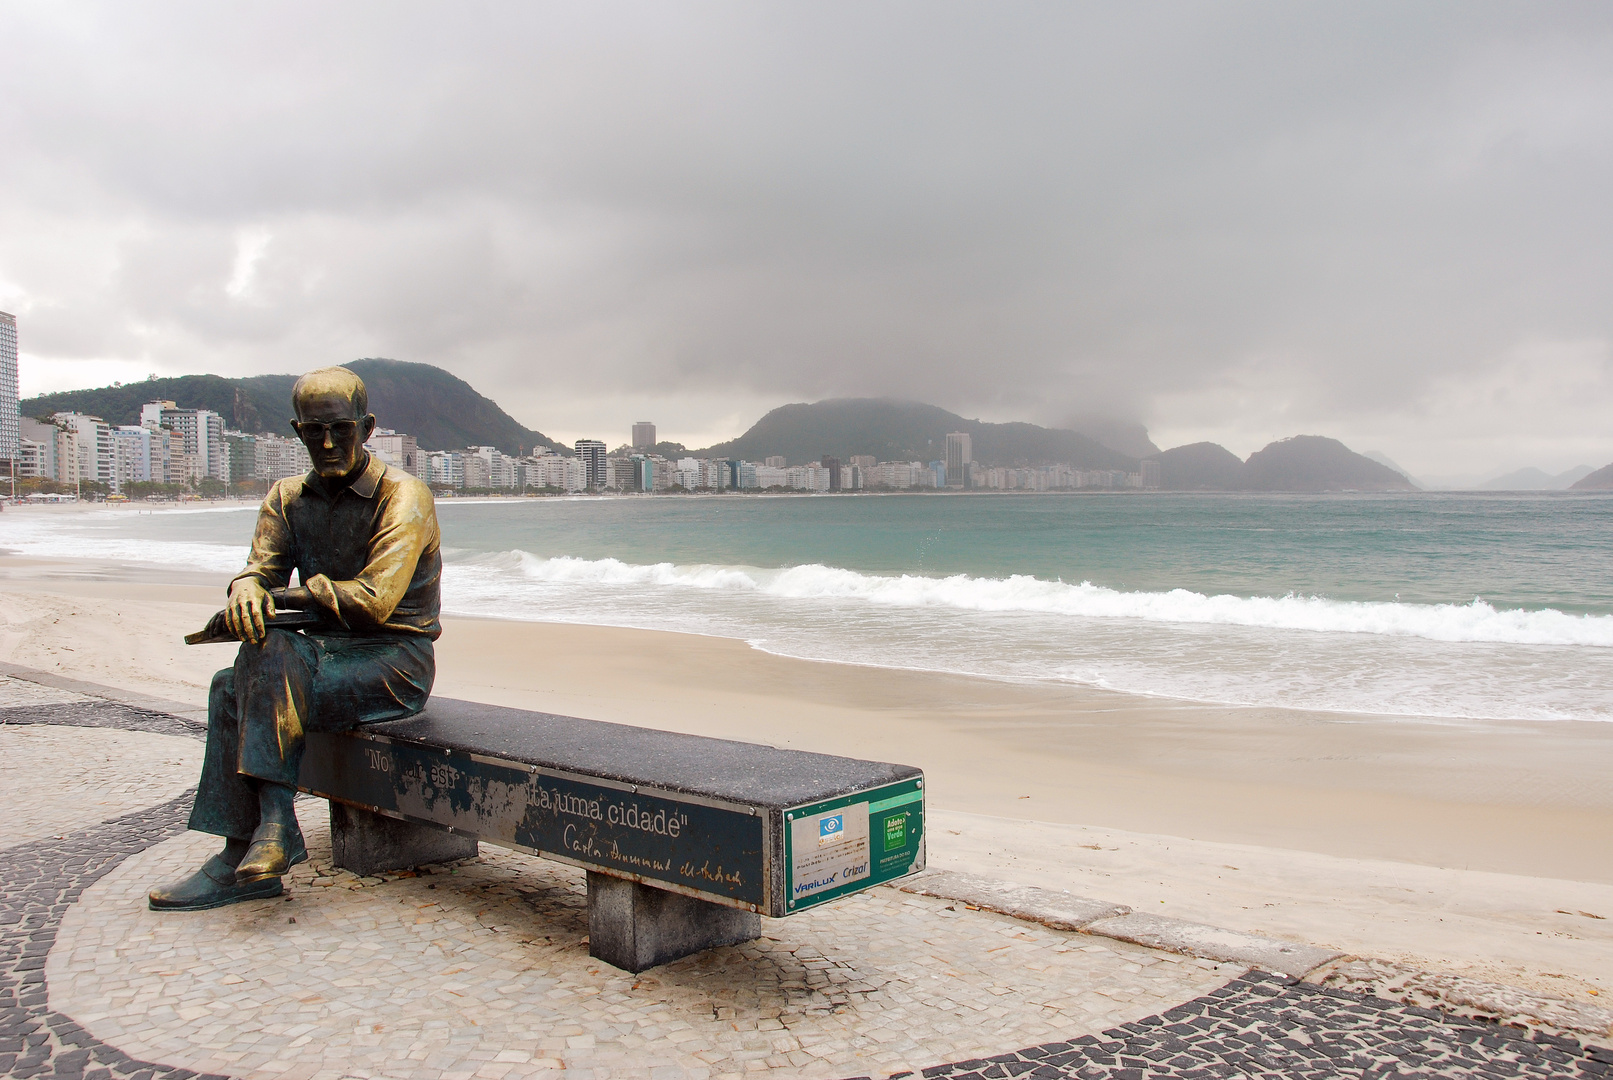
[
  {"x": 895, "y": 832},
  {"x": 846, "y": 843}
]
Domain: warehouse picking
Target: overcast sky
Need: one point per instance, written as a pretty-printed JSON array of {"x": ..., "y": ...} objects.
[{"x": 1389, "y": 223}]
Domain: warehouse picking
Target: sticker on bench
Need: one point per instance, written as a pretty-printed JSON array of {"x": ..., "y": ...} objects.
[
  {"x": 831, "y": 850},
  {"x": 849, "y": 843}
]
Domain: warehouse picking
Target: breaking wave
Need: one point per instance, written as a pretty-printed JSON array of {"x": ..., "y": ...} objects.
[{"x": 1476, "y": 621}]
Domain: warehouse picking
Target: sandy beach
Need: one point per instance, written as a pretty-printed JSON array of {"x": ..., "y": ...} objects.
[{"x": 1477, "y": 848}]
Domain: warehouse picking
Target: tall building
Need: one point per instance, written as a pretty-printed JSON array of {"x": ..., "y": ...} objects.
[
  {"x": 39, "y": 445},
  {"x": 959, "y": 455},
  {"x": 592, "y": 454},
  {"x": 775, "y": 461},
  {"x": 9, "y": 433},
  {"x": 93, "y": 452},
  {"x": 643, "y": 435},
  {"x": 202, "y": 431},
  {"x": 445, "y": 468},
  {"x": 396, "y": 448},
  {"x": 833, "y": 465},
  {"x": 131, "y": 454},
  {"x": 276, "y": 457}
]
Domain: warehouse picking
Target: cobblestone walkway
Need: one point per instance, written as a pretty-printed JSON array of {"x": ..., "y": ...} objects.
[
  {"x": 1256, "y": 1026},
  {"x": 110, "y": 772},
  {"x": 1265, "y": 1026}
]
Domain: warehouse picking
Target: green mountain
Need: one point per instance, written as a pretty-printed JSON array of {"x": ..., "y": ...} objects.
[
  {"x": 1314, "y": 463},
  {"x": 1302, "y": 463},
  {"x": 441, "y": 410},
  {"x": 1203, "y": 466},
  {"x": 892, "y": 430}
]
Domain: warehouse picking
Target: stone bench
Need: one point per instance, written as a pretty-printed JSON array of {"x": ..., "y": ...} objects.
[{"x": 687, "y": 840}]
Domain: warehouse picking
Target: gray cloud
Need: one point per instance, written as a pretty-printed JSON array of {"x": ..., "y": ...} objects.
[{"x": 1235, "y": 221}]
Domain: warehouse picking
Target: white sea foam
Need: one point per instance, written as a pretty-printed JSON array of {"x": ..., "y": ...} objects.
[
  {"x": 1468, "y": 661},
  {"x": 1477, "y": 621},
  {"x": 103, "y": 534}
]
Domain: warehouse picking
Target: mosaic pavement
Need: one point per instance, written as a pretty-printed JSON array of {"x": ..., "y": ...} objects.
[{"x": 481, "y": 969}]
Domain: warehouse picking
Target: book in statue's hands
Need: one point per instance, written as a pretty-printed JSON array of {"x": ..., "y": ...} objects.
[{"x": 218, "y": 629}]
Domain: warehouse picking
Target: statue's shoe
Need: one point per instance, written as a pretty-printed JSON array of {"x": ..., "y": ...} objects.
[
  {"x": 275, "y": 849},
  {"x": 212, "y": 886}
]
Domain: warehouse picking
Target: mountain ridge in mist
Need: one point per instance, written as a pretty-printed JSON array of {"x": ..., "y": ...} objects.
[
  {"x": 890, "y": 429},
  {"x": 1533, "y": 479}
]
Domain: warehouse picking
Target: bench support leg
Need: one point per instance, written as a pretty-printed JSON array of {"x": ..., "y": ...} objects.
[
  {"x": 635, "y": 927},
  {"x": 367, "y": 843}
]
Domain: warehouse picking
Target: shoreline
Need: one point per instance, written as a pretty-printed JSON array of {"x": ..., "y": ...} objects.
[{"x": 1465, "y": 846}]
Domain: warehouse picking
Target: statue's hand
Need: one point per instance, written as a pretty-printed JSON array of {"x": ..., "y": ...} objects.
[{"x": 249, "y": 608}]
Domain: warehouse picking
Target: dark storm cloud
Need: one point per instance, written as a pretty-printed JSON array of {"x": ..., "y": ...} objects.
[{"x": 1236, "y": 220}]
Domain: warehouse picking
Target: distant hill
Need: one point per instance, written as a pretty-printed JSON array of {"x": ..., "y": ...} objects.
[
  {"x": 1533, "y": 479},
  {"x": 1302, "y": 463},
  {"x": 1314, "y": 463},
  {"x": 439, "y": 409},
  {"x": 1384, "y": 459},
  {"x": 1600, "y": 480},
  {"x": 893, "y": 430},
  {"x": 1118, "y": 435},
  {"x": 1203, "y": 466}
]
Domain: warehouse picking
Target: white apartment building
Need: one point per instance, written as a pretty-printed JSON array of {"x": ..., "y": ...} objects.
[
  {"x": 897, "y": 475},
  {"x": 770, "y": 476},
  {"x": 490, "y": 469},
  {"x": 202, "y": 431},
  {"x": 445, "y": 468},
  {"x": 474, "y": 472},
  {"x": 131, "y": 446},
  {"x": 1056, "y": 478},
  {"x": 30, "y": 457},
  {"x": 556, "y": 472},
  {"x": 396, "y": 448},
  {"x": 807, "y": 478},
  {"x": 275, "y": 457},
  {"x": 94, "y": 453},
  {"x": 38, "y": 442}
]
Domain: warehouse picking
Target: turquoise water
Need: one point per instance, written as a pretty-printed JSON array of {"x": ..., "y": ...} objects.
[
  {"x": 1529, "y": 551},
  {"x": 1446, "y": 606}
]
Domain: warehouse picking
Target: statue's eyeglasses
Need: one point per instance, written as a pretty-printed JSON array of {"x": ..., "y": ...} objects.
[{"x": 341, "y": 430}]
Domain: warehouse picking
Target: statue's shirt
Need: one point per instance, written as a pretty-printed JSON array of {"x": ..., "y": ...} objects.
[{"x": 371, "y": 556}]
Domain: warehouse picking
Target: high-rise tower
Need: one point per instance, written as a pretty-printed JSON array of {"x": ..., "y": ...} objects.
[
  {"x": 591, "y": 452},
  {"x": 9, "y": 433},
  {"x": 959, "y": 455},
  {"x": 643, "y": 435}
]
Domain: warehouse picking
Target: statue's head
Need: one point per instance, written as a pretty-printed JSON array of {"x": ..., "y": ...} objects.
[{"x": 333, "y": 419}]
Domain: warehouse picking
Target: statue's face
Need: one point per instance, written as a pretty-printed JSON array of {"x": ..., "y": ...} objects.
[{"x": 331, "y": 431}]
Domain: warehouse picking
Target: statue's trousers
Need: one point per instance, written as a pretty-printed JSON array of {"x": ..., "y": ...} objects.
[{"x": 292, "y": 683}]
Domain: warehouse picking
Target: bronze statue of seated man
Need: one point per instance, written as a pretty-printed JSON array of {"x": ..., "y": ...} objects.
[{"x": 362, "y": 538}]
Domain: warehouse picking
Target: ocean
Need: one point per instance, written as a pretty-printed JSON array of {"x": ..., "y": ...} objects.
[{"x": 1457, "y": 607}]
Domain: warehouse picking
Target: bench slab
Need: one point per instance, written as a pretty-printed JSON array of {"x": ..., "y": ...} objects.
[{"x": 757, "y": 828}]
